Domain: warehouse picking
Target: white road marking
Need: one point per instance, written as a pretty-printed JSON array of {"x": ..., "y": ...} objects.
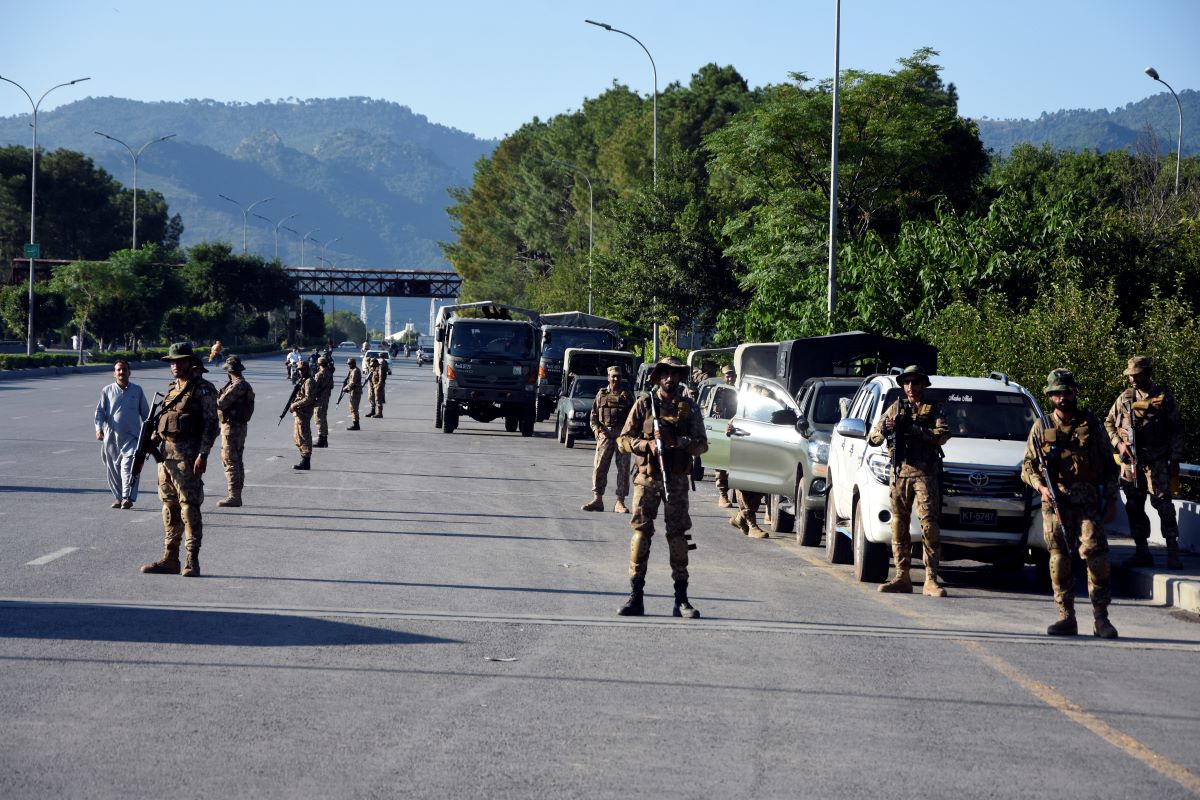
[
  {"x": 56, "y": 411},
  {"x": 60, "y": 452},
  {"x": 6, "y": 463},
  {"x": 46, "y": 559},
  {"x": 18, "y": 417}
]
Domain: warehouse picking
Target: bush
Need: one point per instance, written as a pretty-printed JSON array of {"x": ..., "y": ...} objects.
[{"x": 38, "y": 360}]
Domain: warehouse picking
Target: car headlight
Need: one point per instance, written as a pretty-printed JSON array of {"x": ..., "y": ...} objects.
[
  {"x": 880, "y": 466},
  {"x": 818, "y": 452}
]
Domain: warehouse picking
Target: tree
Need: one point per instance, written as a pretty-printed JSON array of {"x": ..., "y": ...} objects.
[
  {"x": 50, "y": 310},
  {"x": 88, "y": 285},
  {"x": 344, "y": 326}
]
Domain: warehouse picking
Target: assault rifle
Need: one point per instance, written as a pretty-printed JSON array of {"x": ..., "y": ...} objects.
[
  {"x": 146, "y": 445},
  {"x": 1047, "y": 474},
  {"x": 662, "y": 462},
  {"x": 291, "y": 399},
  {"x": 897, "y": 440},
  {"x": 341, "y": 394},
  {"x": 1130, "y": 461}
]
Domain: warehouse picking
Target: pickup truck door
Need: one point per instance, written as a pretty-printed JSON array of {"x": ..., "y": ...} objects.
[
  {"x": 716, "y": 404},
  {"x": 845, "y": 453},
  {"x": 764, "y": 447}
]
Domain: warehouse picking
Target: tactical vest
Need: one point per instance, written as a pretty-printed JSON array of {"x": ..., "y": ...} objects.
[
  {"x": 919, "y": 453},
  {"x": 183, "y": 422},
  {"x": 1068, "y": 452},
  {"x": 673, "y": 416},
  {"x": 243, "y": 407},
  {"x": 1150, "y": 423},
  {"x": 613, "y": 407}
]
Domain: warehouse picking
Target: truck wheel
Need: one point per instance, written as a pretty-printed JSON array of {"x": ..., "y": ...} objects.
[
  {"x": 543, "y": 410},
  {"x": 569, "y": 440},
  {"x": 837, "y": 547},
  {"x": 870, "y": 558},
  {"x": 511, "y": 422},
  {"x": 808, "y": 522},
  {"x": 782, "y": 520},
  {"x": 526, "y": 421},
  {"x": 437, "y": 413},
  {"x": 449, "y": 418}
]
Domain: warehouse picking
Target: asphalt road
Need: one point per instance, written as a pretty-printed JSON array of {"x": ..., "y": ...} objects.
[{"x": 425, "y": 615}]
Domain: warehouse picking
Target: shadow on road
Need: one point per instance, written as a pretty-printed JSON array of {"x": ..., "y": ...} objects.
[
  {"x": 50, "y": 490},
  {"x": 436, "y": 534},
  {"x": 100, "y": 623}
]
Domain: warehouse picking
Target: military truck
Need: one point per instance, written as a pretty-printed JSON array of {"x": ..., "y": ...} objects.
[
  {"x": 560, "y": 331},
  {"x": 585, "y": 372},
  {"x": 485, "y": 363}
]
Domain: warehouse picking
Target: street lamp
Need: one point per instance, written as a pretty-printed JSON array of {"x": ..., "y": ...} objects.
[
  {"x": 307, "y": 237},
  {"x": 245, "y": 213},
  {"x": 325, "y": 247},
  {"x": 654, "y": 162},
  {"x": 581, "y": 174},
  {"x": 277, "y": 226},
  {"x": 135, "y": 156},
  {"x": 33, "y": 249},
  {"x": 833, "y": 166},
  {"x": 1153, "y": 73}
]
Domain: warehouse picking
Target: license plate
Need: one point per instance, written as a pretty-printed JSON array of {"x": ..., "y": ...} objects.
[{"x": 977, "y": 516}]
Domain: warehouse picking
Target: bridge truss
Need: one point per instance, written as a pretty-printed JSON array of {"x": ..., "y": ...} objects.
[{"x": 375, "y": 282}]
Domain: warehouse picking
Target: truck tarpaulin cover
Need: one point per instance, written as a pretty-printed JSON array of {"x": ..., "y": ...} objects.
[
  {"x": 851, "y": 354},
  {"x": 578, "y": 319}
]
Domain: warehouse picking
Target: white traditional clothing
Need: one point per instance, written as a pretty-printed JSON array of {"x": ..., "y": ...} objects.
[{"x": 119, "y": 416}]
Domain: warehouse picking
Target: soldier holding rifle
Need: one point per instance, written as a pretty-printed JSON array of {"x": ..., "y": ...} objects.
[
  {"x": 663, "y": 431},
  {"x": 1143, "y": 425},
  {"x": 1069, "y": 461},
  {"x": 352, "y": 386},
  {"x": 323, "y": 382},
  {"x": 301, "y": 406},
  {"x": 235, "y": 406},
  {"x": 607, "y": 418}
]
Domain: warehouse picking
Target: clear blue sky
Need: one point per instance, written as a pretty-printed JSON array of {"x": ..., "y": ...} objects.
[{"x": 487, "y": 67}]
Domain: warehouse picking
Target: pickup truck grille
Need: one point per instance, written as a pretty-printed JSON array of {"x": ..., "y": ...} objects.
[{"x": 964, "y": 483}]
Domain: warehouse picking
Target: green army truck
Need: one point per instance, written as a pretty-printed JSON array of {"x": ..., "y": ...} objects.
[
  {"x": 561, "y": 331},
  {"x": 485, "y": 362}
]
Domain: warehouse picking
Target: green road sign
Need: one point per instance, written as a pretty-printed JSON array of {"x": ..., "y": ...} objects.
[{"x": 33, "y": 250}]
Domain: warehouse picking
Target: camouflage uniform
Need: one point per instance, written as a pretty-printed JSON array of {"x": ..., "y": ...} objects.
[
  {"x": 235, "y": 406},
  {"x": 917, "y": 486},
  {"x": 353, "y": 387},
  {"x": 187, "y": 430},
  {"x": 1080, "y": 461},
  {"x": 323, "y": 383},
  {"x": 724, "y": 410},
  {"x": 372, "y": 366},
  {"x": 1158, "y": 433},
  {"x": 378, "y": 381},
  {"x": 607, "y": 418},
  {"x": 680, "y": 418},
  {"x": 302, "y": 409}
]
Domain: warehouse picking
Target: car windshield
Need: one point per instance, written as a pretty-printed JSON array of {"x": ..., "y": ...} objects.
[
  {"x": 825, "y": 410},
  {"x": 588, "y": 386},
  {"x": 560, "y": 340},
  {"x": 486, "y": 339},
  {"x": 981, "y": 414}
]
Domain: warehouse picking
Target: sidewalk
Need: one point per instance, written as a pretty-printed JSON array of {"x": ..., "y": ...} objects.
[{"x": 1170, "y": 588}]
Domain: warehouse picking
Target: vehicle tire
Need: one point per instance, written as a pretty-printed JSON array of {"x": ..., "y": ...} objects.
[
  {"x": 526, "y": 420},
  {"x": 837, "y": 547},
  {"x": 697, "y": 469},
  {"x": 808, "y": 522},
  {"x": 569, "y": 440},
  {"x": 437, "y": 414},
  {"x": 511, "y": 422},
  {"x": 449, "y": 418},
  {"x": 782, "y": 520},
  {"x": 870, "y": 558}
]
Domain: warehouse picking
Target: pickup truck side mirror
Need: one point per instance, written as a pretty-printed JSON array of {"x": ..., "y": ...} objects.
[
  {"x": 440, "y": 335},
  {"x": 784, "y": 416},
  {"x": 852, "y": 428},
  {"x": 802, "y": 425}
]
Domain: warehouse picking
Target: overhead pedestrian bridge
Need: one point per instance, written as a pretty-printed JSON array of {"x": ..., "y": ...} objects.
[{"x": 375, "y": 282}]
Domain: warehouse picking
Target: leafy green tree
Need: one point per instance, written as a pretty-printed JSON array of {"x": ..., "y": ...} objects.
[
  {"x": 50, "y": 310},
  {"x": 88, "y": 285},
  {"x": 345, "y": 326}
]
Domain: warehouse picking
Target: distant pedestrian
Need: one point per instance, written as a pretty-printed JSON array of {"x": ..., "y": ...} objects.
[{"x": 119, "y": 416}]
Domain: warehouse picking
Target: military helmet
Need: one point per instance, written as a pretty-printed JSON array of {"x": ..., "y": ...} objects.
[
  {"x": 233, "y": 364},
  {"x": 668, "y": 363},
  {"x": 1139, "y": 364},
  {"x": 302, "y": 365},
  {"x": 1060, "y": 380},
  {"x": 912, "y": 373},
  {"x": 351, "y": 362},
  {"x": 323, "y": 361}
]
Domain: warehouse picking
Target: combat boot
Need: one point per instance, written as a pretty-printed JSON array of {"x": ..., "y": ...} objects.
[
  {"x": 597, "y": 504},
  {"x": 354, "y": 427},
  {"x": 1141, "y": 556},
  {"x": 738, "y": 521},
  {"x": 322, "y": 441},
  {"x": 230, "y": 502},
  {"x": 633, "y": 606},
  {"x": 304, "y": 463},
  {"x": 370, "y": 413},
  {"x": 191, "y": 566},
  {"x": 1173, "y": 560},
  {"x": 379, "y": 413},
  {"x": 167, "y": 565},
  {"x": 682, "y": 607},
  {"x": 619, "y": 507},
  {"x": 754, "y": 531},
  {"x": 1064, "y": 627},
  {"x": 901, "y": 584},
  {"x": 723, "y": 500},
  {"x": 1102, "y": 628},
  {"x": 933, "y": 587}
]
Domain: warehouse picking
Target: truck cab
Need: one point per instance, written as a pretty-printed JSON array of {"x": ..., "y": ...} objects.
[{"x": 560, "y": 332}]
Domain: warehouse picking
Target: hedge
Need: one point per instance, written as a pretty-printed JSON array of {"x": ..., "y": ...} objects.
[{"x": 21, "y": 361}]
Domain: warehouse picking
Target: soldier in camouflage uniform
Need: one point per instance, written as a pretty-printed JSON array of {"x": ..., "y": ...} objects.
[
  {"x": 323, "y": 382},
  {"x": 235, "y": 406},
  {"x": 369, "y": 378},
  {"x": 187, "y": 430},
  {"x": 916, "y": 484},
  {"x": 1150, "y": 413},
  {"x": 681, "y": 436},
  {"x": 1072, "y": 444},
  {"x": 609, "y": 412},
  {"x": 726, "y": 411},
  {"x": 302, "y": 409},
  {"x": 352, "y": 386},
  {"x": 378, "y": 380}
]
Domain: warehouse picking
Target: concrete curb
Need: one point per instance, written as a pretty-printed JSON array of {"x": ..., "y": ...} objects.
[
  {"x": 49, "y": 372},
  {"x": 1171, "y": 589}
]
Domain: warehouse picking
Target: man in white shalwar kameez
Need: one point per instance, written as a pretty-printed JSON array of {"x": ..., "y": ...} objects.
[{"x": 119, "y": 416}]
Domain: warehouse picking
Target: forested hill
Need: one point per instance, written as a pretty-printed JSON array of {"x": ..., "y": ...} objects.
[
  {"x": 372, "y": 172},
  {"x": 1101, "y": 129}
]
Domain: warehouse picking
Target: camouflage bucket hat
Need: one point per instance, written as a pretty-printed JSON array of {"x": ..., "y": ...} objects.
[
  {"x": 178, "y": 351},
  {"x": 233, "y": 364},
  {"x": 912, "y": 373},
  {"x": 614, "y": 371},
  {"x": 1060, "y": 380},
  {"x": 1139, "y": 364},
  {"x": 322, "y": 361},
  {"x": 728, "y": 370},
  {"x": 668, "y": 363},
  {"x": 351, "y": 362}
]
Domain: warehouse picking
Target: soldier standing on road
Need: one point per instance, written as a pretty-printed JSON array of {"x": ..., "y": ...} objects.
[
  {"x": 680, "y": 436},
  {"x": 119, "y": 416},
  {"x": 1073, "y": 445},
  {"x": 916, "y": 429},
  {"x": 726, "y": 409},
  {"x": 371, "y": 365},
  {"x": 1150, "y": 413},
  {"x": 609, "y": 412},
  {"x": 352, "y": 386},
  {"x": 235, "y": 406},
  {"x": 187, "y": 430},
  {"x": 324, "y": 385},
  {"x": 378, "y": 379},
  {"x": 302, "y": 409}
]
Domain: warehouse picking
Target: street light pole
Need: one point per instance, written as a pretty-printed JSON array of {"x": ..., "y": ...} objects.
[
  {"x": 277, "y": 225},
  {"x": 307, "y": 237},
  {"x": 654, "y": 161},
  {"x": 245, "y": 214},
  {"x": 135, "y": 156},
  {"x": 1153, "y": 73},
  {"x": 583, "y": 175},
  {"x": 33, "y": 193},
  {"x": 833, "y": 166}
]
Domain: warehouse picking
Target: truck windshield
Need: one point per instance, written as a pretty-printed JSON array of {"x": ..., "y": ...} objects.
[
  {"x": 587, "y": 386},
  {"x": 825, "y": 410},
  {"x": 488, "y": 339},
  {"x": 561, "y": 339},
  {"x": 982, "y": 414}
]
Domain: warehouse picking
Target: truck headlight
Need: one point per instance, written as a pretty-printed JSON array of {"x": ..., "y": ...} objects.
[
  {"x": 818, "y": 452},
  {"x": 880, "y": 466}
]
